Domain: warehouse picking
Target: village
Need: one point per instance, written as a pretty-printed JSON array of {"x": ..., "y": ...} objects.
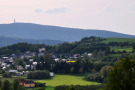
[{"x": 7, "y": 61}]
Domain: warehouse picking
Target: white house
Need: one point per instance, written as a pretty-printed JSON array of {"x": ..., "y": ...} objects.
[{"x": 51, "y": 74}]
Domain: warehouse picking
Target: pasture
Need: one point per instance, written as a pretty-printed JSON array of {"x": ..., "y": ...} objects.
[
  {"x": 127, "y": 49},
  {"x": 130, "y": 40},
  {"x": 66, "y": 80}
]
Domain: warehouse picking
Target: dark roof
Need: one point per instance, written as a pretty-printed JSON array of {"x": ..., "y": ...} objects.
[{"x": 26, "y": 81}]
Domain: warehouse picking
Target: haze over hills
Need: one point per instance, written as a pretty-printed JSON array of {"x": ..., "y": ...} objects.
[
  {"x": 45, "y": 32},
  {"x": 5, "y": 41}
]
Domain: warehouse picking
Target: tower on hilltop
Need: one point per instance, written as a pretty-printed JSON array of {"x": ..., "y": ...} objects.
[{"x": 14, "y": 21}]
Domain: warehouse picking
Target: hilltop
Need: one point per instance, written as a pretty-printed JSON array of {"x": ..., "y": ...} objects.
[{"x": 46, "y": 32}]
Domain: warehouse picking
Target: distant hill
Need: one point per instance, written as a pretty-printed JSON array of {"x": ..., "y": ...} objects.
[
  {"x": 45, "y": 32},
  {"x": 5, "y": 41}
]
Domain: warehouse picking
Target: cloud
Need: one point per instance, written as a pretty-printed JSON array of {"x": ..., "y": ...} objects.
[
  {"x": 56, "y": 10},
  {"x": 38, "y": 10}
]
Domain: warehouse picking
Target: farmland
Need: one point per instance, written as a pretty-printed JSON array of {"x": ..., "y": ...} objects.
[
  {"x": 130, "y": 40},
  {"x": 127, "y": 49},
  {"x": 66, "y": 80}
]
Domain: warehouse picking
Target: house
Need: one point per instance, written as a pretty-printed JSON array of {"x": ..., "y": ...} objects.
[
  {"x": 24, "y": 73},
  {"x": 18, "y": 67},
  {"x": 14, "y": 72},
  {"x": 28, "y": 55},
  {"x": 27, "y": 83},
  {"x": 29, "y": 67},
  {"x": 42, "y": 50},
  {"x": 51, "y": 74},
  {"x": 57, "y": 59},
  {"x": 89, "y": 54},
  {"x": 41, "y": 54}
]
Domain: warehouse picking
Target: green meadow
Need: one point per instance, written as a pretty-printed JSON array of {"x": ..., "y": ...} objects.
[
  {"x": 59, "y": 80},
  {"x": 127, "y": 49},
  {"x": 124, "y": 49},
  {"x": 119, "y": 40},
  {"x": 66, "y": 80}
]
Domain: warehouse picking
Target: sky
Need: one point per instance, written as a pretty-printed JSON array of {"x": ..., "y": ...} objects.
[{"x": 111, "y": 15}]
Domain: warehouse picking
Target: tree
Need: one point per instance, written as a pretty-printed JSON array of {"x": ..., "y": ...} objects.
[
  {"x": 105, "y": 69},
  {"x": 16, "y": 84},
  {"x": 42, "y": 88},
  {"x": 7, "y": 75},
  {"x": 71, "y": 88},
  {"x": 72, "y": 69},
  {"x": 0, "y": 83},
  {"x": 48, "y": 58},
  {"x": 134, "y": 47},
  {"x": 122, "y": 75},
  {"x": 81, "y": 70},
  {"x": 6, "y": 85}
]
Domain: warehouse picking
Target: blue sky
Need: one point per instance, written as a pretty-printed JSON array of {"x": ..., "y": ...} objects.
[{"x": 112, "y": 15}]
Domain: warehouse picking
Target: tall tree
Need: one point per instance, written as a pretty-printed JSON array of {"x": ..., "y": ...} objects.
[
  {"x": 6, "y": 85},
  {"x": 122, "y": 75},
  {"x": 16, "y": 84}
]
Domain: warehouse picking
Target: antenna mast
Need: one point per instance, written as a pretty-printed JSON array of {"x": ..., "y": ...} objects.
[{"x": 14, "y": 21}]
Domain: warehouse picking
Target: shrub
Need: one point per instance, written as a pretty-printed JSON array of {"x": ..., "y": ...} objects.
[
  {"x": 78, "y": 87},
  {"x": 38, "y": 75},
  {"x": 7, "y": 75},
  {"x": 97, "y": 77}
]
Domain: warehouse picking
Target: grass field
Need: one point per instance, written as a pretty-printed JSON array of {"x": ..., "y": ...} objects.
[
  {"x": 119, "y": 40},
  {"x": 47, "y": 88},
  {"x": 127, "y": 49},
  {"x": 66, "y": 80},
  {"x": 124, "y": 49},
  {"x": 58, "y": 80}
]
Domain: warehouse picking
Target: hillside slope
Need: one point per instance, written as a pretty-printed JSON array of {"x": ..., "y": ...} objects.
[
  {"x": 35, "y": 31},
  {"x": 5, "y": 41}
]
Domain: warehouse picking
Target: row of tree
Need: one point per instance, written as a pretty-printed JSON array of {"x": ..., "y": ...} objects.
[
  {"x": 6, "y": 85},
  {"x": 38, "y": 74}
]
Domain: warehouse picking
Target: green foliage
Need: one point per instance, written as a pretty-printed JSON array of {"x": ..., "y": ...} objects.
[
  {"x": 22, "y": 88},
  {"x": 7, "y": 75},
  {"x": 78, "y": 87},
  {"x": 72, "y": 69},
  {"x": 42, "y": 88},
  {"x": 130, "y": 40},
  {"x": 20, "y": 48},
  {"x": 16, "y": 84},
  {"x": 38, "y": 75},
  {"x": 0, "y": 83},
  {"x": 71, "y": 88},
  {"x": 96, "y": 77},
  {"x": 2, "y": 71},
  {"x": 6, "y": 85},
  {"x": 105, "y": 69},
  {"x": 122, "y": 75}
]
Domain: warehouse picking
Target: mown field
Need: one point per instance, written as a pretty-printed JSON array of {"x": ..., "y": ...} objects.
[
  {"x": 66, "y": 80},
  {"x": 119, "y": 40}
]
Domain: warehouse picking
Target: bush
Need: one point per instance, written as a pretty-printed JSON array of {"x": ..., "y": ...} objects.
[
  {"x": 97, "y": 77},
  {"x": 78, "y": 87},
  {"x": 7, "y": 75},
  {"x": 2, "y": 71},
  {"x": 37, "y": 84},
  {"x": 38, "y": 75}
]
